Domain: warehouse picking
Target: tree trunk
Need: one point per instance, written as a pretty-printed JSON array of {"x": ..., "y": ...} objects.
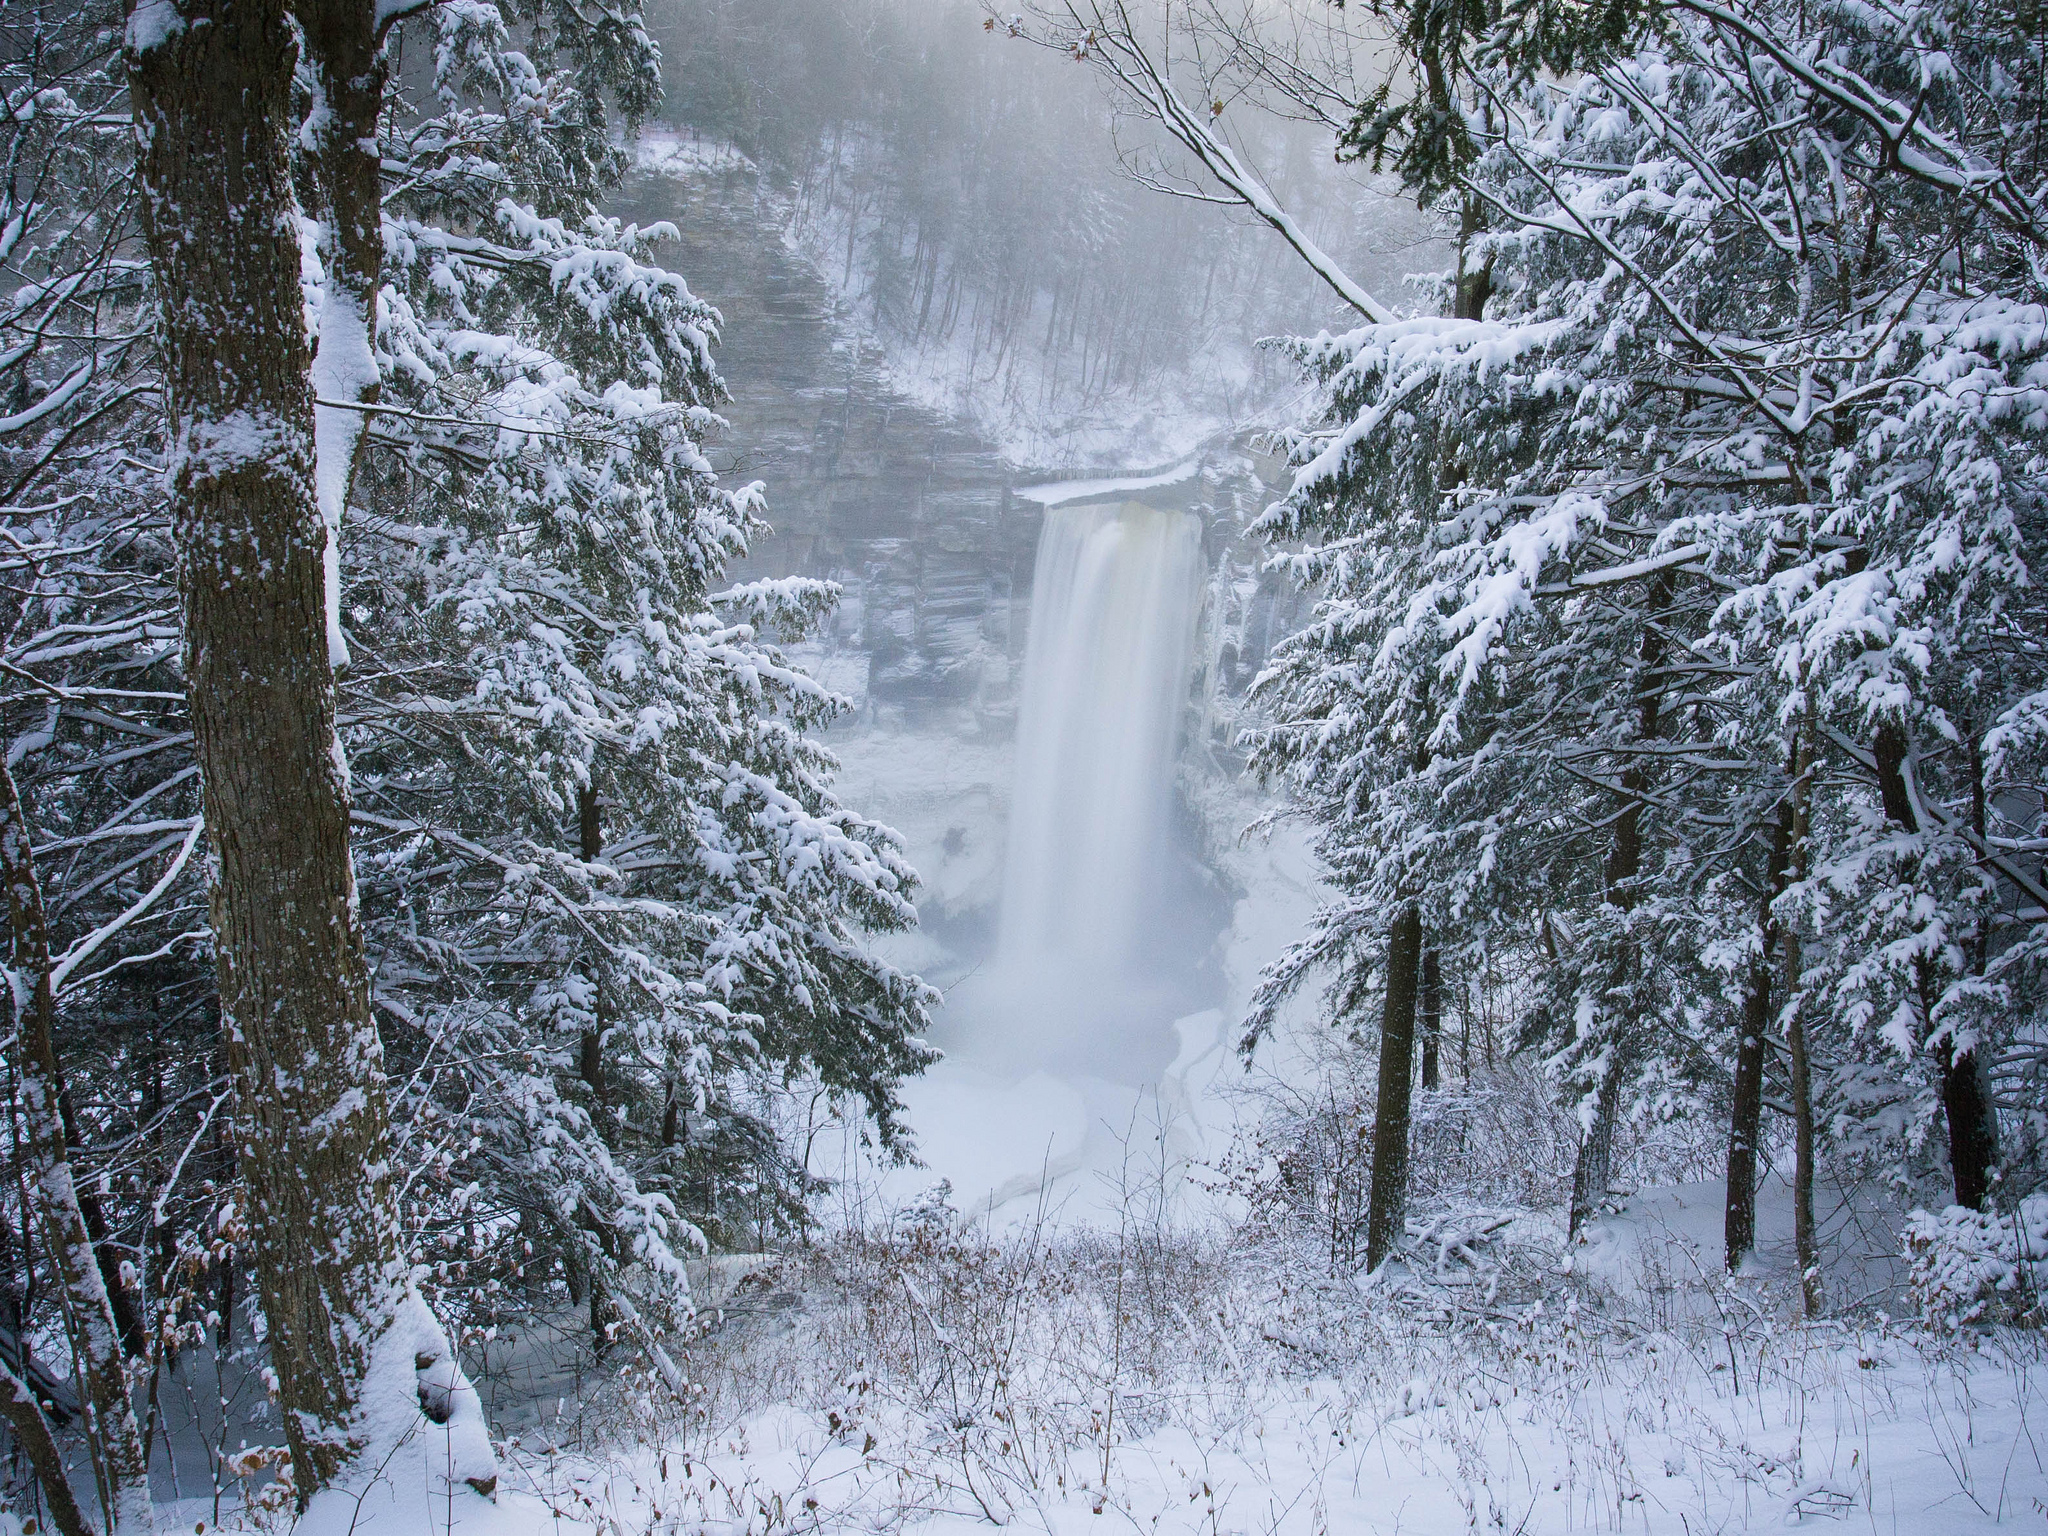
[
  {"x": 126, "y": 1305},
  {"x": 590, "y": 1067},
  {"x": 32, "y": 1432},
  {"x": 1745, "y": 1121},
  {"x": 346, "y": 197},
  {"x": 119, "y": 1460},
  {"x": 1972, "y": 1124},
  {"x": 1593, "y": 1169},
  {"x": 1388, "y": 1208},
  {"x": 1432, "y": 1016},
  {"x": 1805, "y": 1237},
  {"x": 211, "y": 87},
  {"x": 590, "y": 1047},
  {"x": 1966, "y": 1098},
  {"x": 1474, "y": 287}
]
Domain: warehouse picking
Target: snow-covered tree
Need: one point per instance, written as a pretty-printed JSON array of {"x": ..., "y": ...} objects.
[
  {"x": 1677, "y": 617},
  {"x": 612, "y": 912},
  {"x": 616, "y": 905}
]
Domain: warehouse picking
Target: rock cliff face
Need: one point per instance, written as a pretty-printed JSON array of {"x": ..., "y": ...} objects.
[
  {"x": 909, "y": 512},
  {"x": 932, "y": 536}
]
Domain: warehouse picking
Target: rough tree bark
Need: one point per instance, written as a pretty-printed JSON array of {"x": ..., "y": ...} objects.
[
  {"x": 1432, "y": 1016},
  {"x": 1387, "y": 1208},
  {"x": 113, "y": 1436},
  {"x": 32, "y": 1433},
  {"x": 1593, "y": 1169},
  {"x": 1966, "y": 1098},
  {"x": 211, "y": 89},
  {"x": 1475, "y": 286},
  {"x": 1745, "y": 1119},
  {"x": 343, "y": 191}
]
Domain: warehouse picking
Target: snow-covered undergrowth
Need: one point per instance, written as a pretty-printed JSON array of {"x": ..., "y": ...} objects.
[
  {"x": 1968, "y": 1265},
  {"x": 930, "y": 1378}
]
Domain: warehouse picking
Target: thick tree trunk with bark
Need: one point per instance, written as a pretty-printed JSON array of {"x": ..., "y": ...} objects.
[
  {"x": 1387, "y": 1210},
  {"x": 1593, "y": 1169},
  {"x": 31, "y": 1431},
  {"x": 1745, "y": 1119},
  {"x": 120, "y": 1463},
  {"x": 1966, "y": 1098},
  {"x": 211, "y": 86},
  {"x": 345, "y": 194},
  {"x": 1474, "y": 287},
  {"x": 1972, "y": 1115}
]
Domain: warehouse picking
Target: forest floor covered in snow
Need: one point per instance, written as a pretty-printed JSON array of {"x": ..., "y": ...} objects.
[{"x": 931, "y": 1377}]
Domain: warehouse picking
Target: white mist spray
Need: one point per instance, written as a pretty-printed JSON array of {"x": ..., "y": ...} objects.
[{"x": 1113, "y": 606}]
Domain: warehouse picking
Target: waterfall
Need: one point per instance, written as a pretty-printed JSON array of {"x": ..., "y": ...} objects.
[{"x": 1113, "y": 606}]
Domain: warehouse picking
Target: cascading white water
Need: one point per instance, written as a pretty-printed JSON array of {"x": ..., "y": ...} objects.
[{"x": 1113, "y": 606}]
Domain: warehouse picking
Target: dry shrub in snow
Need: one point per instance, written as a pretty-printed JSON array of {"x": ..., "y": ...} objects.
[
  {"x": 925, "y": 1373},
  {"x": 1499, "y": 1141}
]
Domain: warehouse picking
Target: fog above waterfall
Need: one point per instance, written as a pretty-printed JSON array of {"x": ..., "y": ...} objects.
[{"x": 1009, "y": 399}]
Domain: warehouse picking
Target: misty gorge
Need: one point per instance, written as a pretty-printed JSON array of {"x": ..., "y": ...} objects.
[
  {"x": 957, "y": 331},
  {"x": 887, "y": 767}
]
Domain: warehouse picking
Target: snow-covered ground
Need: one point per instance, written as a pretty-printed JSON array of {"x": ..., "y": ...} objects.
[{"x": 925, "y": 1377}]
